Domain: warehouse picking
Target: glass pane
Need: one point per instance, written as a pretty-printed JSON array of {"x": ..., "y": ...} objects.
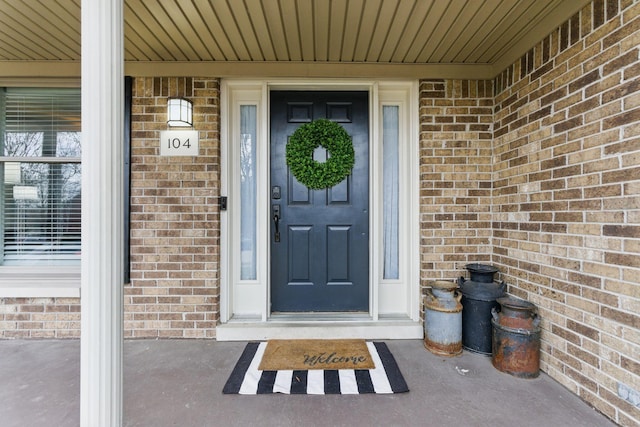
[
  {"x": 68, "y": 144},
  {"x": 42, "y": 205},
  {"x": 23, "y": 144},
  {"x": 248, "y": 126},
  {"x": 40, "y": 198},
  {"x": 390, "y": 186},
  {"x": 34, "y": 118},
  {"x": 35, "y": 144}
]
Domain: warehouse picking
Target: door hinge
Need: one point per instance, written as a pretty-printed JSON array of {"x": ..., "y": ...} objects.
[{"x": 223, "y": 203}]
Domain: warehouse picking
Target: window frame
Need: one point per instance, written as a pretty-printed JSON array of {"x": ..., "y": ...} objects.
[{"x": 32, "y": 281}]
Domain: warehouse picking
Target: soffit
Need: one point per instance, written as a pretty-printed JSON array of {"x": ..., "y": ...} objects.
[{"x": 470, "y": 36}]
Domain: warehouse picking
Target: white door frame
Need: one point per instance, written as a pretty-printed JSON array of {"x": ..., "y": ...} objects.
[{"x": 394, "y": 304}]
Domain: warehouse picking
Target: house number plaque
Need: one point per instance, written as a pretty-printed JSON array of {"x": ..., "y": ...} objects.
[{"x": 179, "y": 143}]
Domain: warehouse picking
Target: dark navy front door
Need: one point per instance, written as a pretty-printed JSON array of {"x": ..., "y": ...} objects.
[{"x": 320, "y": 262}]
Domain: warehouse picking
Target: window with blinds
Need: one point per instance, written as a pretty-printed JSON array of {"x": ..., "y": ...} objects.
[{"x": 40, "y": 176}]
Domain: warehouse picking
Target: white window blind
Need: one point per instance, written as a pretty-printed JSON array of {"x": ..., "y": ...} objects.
[{"x": 40, "y": 176}]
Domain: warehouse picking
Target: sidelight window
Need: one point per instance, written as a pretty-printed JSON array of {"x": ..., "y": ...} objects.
[
  {"x": 248, "y": 250},
  {"x": 390, "y": 195}
]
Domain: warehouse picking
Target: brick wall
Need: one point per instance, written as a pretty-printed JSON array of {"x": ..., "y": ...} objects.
[
  {"x": 538, "y": 173},
  {"x": 39, "y": 317},
  {"x": 175, "y": 223},
  {"x": 566, "y": 230},
  {"x": 175, "y": 227},
  {"x": 456, "y": 124}
]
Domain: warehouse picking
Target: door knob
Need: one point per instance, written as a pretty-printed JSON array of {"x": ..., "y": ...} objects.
[{"x": 276, "y": 220}]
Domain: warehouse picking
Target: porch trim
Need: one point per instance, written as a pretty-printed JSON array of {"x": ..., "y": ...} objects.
[{"x": 247, "y": 69}]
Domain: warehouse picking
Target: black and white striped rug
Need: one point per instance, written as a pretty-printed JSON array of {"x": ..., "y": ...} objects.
[{"x": 246, "y": 378}]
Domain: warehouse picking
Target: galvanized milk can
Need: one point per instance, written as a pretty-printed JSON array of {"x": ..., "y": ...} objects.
[
  {"x": 516, "y": 338},
  {"x": 479, "y": 295},
  {"x": 443, "y": 319}
]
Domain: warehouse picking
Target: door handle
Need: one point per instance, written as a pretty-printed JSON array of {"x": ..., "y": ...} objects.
[{"x": 276, "y": 221}]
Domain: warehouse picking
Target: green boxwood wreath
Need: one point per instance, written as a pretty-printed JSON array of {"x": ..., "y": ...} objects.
[{"x": 306, "y": 139}]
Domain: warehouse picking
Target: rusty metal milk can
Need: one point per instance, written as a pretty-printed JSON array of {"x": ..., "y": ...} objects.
[
  {"x": 443, "y": 319},
  {"x": 516, "y": 338}
]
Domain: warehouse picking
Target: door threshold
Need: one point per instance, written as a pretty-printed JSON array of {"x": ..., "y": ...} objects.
[
  {"x": 319, "y": 317},
  {"x": 316, "y": 328}
]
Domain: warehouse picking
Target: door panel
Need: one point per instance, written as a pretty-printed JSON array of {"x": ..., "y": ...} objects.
[
  {"x": 338, "y": 254},
  {"x": 320, "y": 262},
  {"x": 299, "y": 239}
]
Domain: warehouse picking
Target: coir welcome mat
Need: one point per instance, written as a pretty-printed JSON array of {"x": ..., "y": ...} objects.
[
  {"x": 315, "y": 354},
  {"x": 248, "y": 378}
]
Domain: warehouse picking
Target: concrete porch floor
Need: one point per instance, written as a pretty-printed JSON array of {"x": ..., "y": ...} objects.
[{"x": 179, "y": 383}]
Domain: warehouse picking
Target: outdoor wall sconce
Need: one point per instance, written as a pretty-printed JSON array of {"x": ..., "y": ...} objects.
[{"x": 179, "y": 112}]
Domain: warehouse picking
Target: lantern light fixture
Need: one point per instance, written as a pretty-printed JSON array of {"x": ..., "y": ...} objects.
[{"x": 179, "y": 112}]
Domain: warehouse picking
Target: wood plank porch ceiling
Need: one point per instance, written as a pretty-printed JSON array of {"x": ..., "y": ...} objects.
[{"x": 426, "y": 38}]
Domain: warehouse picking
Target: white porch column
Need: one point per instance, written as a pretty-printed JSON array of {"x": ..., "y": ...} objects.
[{"x": 102, "y": 216}]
